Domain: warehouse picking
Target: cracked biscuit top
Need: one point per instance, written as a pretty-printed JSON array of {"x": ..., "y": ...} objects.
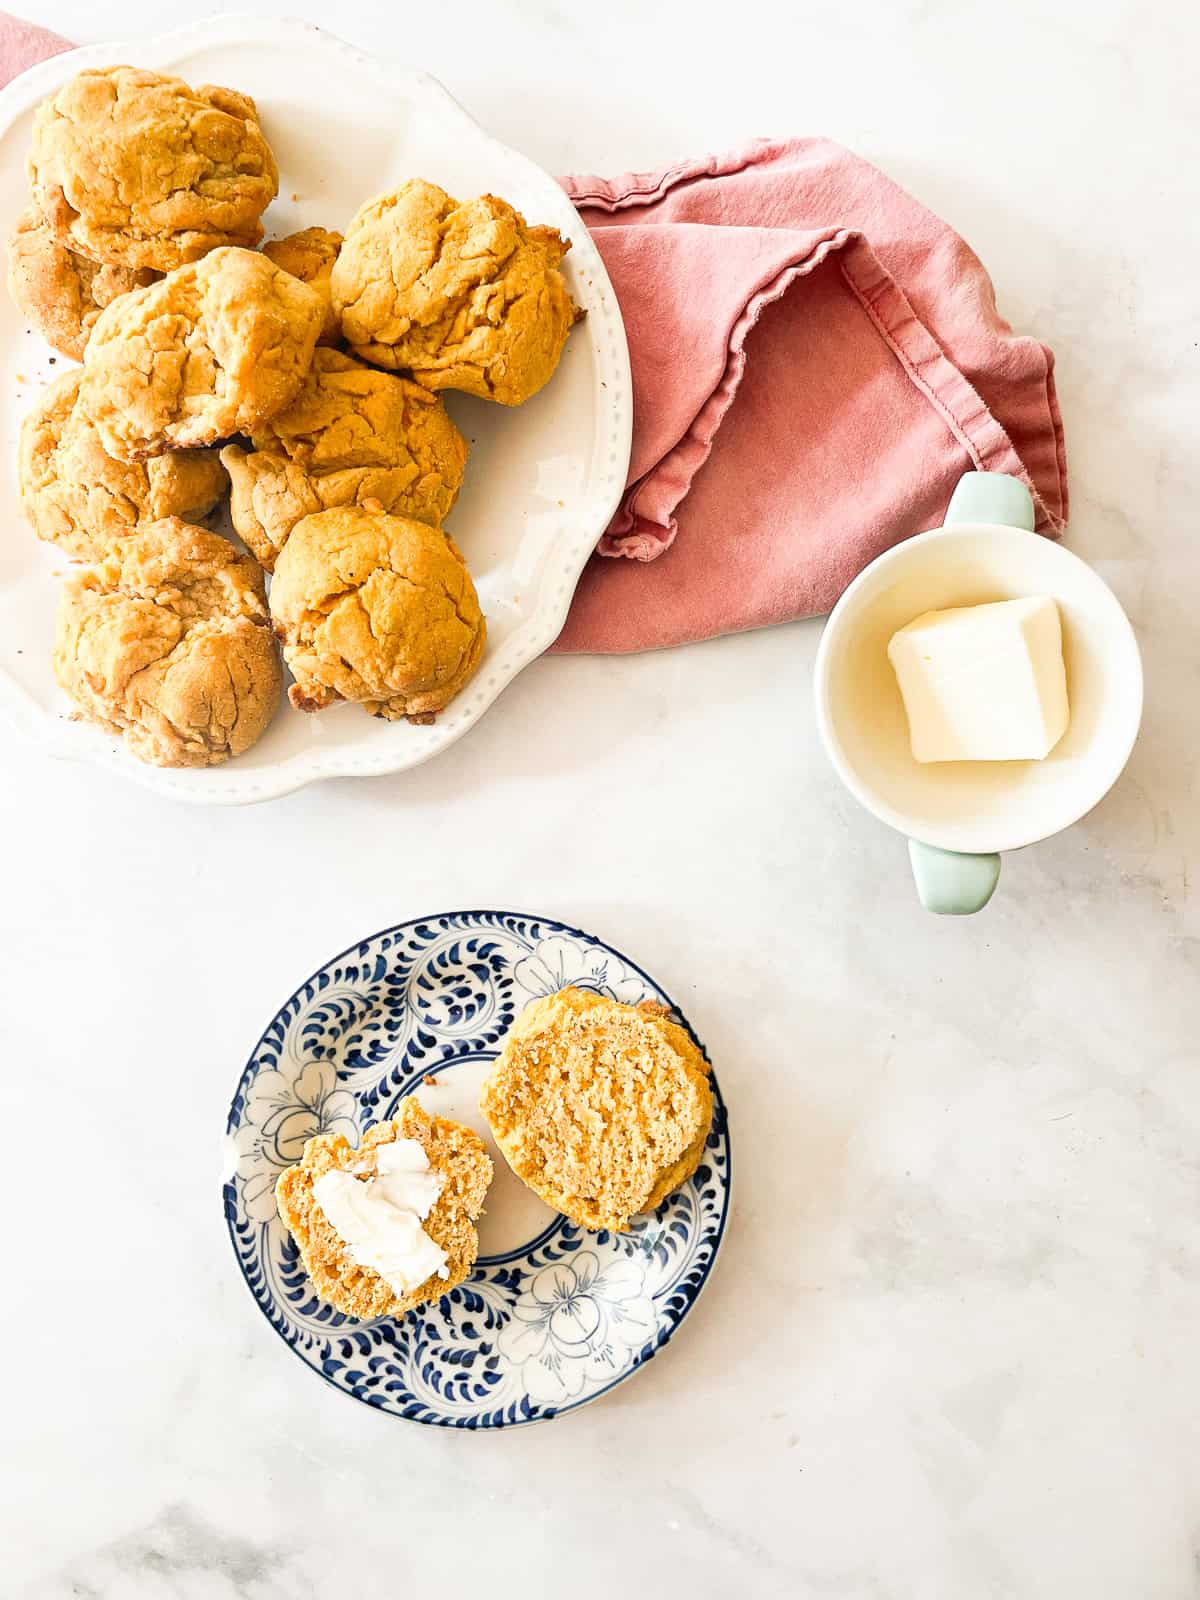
[
  {"x": 167, "y": 642},
  {"x": 215, "y": 348},
  {"x": 80, "y": 498},
  {"x": 351, "y": 435},
  {"x": 376, "y": 609},
  {"x": 309, "y": 255},
  {"x": 465, "y": 296},
  {"x": 137, "y": 169},
  {"x": 61, "y": 292}
]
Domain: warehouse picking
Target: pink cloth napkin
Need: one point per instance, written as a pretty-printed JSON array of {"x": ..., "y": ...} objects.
[
  {"x": 23, "y": 43},
  {"x": 816, "y": 361}
]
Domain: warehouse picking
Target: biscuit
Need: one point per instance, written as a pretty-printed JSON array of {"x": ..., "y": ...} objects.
[
  {"x": 352, "y": 434},
  {"x": 80, "y": 498},
  {"x": 215, "y": 348},
  {"x": 465, "y": 296},
  {"x": 600, "y": 1108},
  {"x": 376, "y": 609},
  {"x": 461, "y": 1158},
  {"x": 166, "y": 641},
  {"x": 137, "y": 169},
  {"x": 309, "y": 255},
  {"x": 61, "y": 292}
]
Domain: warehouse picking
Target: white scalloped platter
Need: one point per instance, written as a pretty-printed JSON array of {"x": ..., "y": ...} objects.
[{"x": 542, "y": 480}]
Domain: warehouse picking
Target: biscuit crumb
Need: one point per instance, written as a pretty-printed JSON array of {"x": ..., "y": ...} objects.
[
  {"x": 600, "y": 1108},
  {"x": 430, "y": 1080}
]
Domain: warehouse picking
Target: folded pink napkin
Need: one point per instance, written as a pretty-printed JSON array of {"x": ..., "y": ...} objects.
[
  {"x": 816, "y": 361},
  {"x": 23, "y": 43}
]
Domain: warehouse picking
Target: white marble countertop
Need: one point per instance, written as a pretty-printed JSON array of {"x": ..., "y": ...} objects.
[{"x": 950, "y": 1348}]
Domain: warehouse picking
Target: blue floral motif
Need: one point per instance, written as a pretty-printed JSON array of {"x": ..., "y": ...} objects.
[
  {"x": 530, "y": 1334},
  {"x": 561, "y": 962},
  {"x": 578, "y": 1323},
  {"x": 281, "y": 1115}
]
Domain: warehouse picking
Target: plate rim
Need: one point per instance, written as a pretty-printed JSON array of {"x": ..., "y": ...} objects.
[
  {"x": 56, "y": 734},
  {"x": 722, "y": 1229}
]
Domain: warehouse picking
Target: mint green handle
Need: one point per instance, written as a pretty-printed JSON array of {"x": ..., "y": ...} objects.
[
  {"x": 991, "y": 497},
  {"x": 952, "y": 883}
]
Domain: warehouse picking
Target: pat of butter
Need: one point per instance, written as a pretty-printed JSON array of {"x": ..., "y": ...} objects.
[
  {"x": 379, "y": 1219},
  {"x": 983, "y": 683}
]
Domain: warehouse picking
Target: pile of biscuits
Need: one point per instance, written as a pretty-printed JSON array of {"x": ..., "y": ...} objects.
[
  {"x": 302, "y": 379},
  {"x": 602, "y": 1109}
]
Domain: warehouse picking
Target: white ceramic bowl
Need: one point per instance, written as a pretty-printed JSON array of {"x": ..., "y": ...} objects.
[{"x": 976, "y": 806}]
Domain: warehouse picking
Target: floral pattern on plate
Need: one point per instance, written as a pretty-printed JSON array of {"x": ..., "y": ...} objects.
[{"x": 534, "y": 1332}]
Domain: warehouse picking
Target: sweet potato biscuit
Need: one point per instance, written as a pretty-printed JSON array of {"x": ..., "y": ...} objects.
[
  {"x": 137, "y": 169},
  {"x": 353, "y": 434},
  {"x": 166, "y": 641},
  {"x": 309, "y": 255},
  {"x": 601, "y": 1108},
  {"x": 453, "y": 1151},
  {"x": 216, "y": 348},
  {"x": 376, "y": 609},
  {"x": 80, "y": 498},
  {"x": 60, "y": 291},
  {"x": 465, "y": 296}
]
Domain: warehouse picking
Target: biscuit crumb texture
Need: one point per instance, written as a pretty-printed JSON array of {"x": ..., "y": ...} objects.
[
  {"x": 602, "y": 1109},
  {"x": 376, "y": 609},
  {"x": 454, "y": 1151},
  {"x": 309, "y": 255},
  {"x": 61, "y": 292},
  {"x": 80, "y": 498},
  {"x": 167, "y": 642},
  {"x": 137, "y": 169},
  {"x": 465, "y": 296},
  {"x": 213, "y": 349},
  {"x": 352, "y": 436}
]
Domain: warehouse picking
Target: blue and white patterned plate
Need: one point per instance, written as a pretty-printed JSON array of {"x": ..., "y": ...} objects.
[{"x": 552, "y": 1316}]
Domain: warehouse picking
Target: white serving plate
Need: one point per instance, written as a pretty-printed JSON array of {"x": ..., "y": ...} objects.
[{"x": 542, "y": 481}]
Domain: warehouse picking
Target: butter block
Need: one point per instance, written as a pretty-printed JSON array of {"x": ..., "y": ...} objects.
[{"x": 983, "y": 683}]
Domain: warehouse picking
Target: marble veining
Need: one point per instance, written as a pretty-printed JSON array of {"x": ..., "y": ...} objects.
[{"x": 949, "y": 1350}]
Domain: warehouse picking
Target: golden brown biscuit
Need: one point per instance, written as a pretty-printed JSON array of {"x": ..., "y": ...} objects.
[
  {"x": 138, "y": 169},
  {"x": 309, "y": 255},
  {"x": 61, "y": 292},
  {"x": 376, "y": 609},
  {"x": 600, "y": 1108},
  {"x": 465, "y": 296},
  {"x": 81, "y": 499},
  {"x": 352, "y": 434},
  {"x": 461, "y": 1158},
  {"x": 167, "y": 642},
  {"x": 216, "y": 348}
]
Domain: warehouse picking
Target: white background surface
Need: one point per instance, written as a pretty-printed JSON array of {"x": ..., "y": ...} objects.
[{"x": 950, "y": 1349}]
